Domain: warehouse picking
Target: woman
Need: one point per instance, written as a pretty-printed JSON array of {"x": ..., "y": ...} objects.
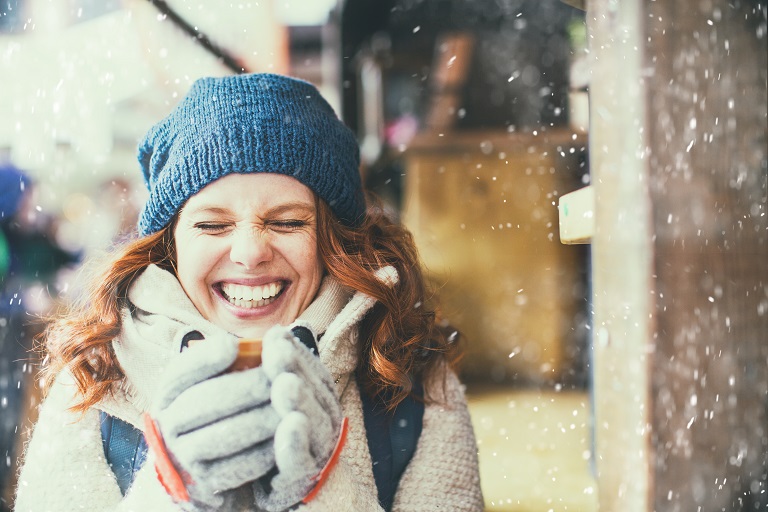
[{"x": 256, "y": 226}]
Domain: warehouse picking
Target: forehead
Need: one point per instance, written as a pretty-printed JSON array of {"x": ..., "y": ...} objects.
[{"x": 254, "y": 190}]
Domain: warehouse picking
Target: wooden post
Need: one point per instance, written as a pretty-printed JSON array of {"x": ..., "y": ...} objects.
[
  {"x": 678, "y": 144},
  {"x": 622, "y": 257}
]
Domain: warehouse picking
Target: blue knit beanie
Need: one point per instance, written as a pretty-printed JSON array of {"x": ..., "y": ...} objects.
[{"x": 247, "y": 124}]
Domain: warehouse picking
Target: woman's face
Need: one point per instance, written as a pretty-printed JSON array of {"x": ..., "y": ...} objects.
[{"x": 246, "y": 251}]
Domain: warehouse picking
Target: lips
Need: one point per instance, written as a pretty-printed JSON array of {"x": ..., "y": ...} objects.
[{"x": 251, "y": 296}]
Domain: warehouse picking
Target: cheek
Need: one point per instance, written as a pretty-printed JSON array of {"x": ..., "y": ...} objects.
[
  {"x": 303, "y": 256},
  {"x": 314, "y": 275},
  {"x": 309, "y": 259},
  {"x": 194, "y": 260}
]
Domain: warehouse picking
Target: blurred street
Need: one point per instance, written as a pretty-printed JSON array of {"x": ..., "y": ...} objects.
[{"x": 535, "y": 450}]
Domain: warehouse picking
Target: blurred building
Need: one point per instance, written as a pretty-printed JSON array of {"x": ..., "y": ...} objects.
[
  {"x": 30, "y": 264},
  {"x": 462, "y": 111}
]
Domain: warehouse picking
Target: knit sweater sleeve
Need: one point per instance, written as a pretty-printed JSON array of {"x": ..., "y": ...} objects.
[
  {"x": 443, "y": 473},
  {"x": 65, "y": 469}
]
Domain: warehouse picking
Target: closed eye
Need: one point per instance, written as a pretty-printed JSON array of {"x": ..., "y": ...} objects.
[
  {"x": 286, "y": 225},
  {"x": 211, "y": 227}
]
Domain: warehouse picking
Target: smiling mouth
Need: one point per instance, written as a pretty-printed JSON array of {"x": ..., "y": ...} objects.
[{"x": 251, "y": 296}]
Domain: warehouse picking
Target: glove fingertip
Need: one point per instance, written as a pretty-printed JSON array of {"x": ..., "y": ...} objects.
[
  {"x": 292, "y": 444},
  {"x": 278, "y": 352},
  {"x": 286, "y": 393},
  {"x": 202, "y": 360}
]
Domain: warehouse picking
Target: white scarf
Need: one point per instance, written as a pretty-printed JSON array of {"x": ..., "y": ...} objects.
[{"x": 153, "y": 326}]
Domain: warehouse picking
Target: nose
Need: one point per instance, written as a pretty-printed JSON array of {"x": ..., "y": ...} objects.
[{"x": 250, "y": 247}]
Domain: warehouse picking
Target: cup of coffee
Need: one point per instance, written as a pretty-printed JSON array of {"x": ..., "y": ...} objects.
[{"x": 248, "y": 355}]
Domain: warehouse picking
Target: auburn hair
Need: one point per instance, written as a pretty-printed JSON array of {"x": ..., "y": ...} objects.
[
  {"x": 79, "y": 337},
  {"x": 400, "y": 340}
]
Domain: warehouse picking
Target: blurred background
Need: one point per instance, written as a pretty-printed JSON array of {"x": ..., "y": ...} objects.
[{"x": 473, "y": 119}]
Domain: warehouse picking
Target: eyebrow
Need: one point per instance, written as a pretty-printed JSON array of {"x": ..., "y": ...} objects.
[
  {"x": 301, "y": 207},
  {"x": 298, "y": 206}
]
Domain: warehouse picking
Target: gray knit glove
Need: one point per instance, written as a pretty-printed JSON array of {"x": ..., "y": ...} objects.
[
  {"x": 304, "y": 397},
  {"x": 216, "y": 427}
]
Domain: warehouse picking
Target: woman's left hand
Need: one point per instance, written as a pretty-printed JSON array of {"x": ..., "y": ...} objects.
[{"x": 304, "y": 396}]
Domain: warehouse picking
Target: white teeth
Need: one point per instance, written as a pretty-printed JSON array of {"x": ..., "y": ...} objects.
[{"x": 251, "y": 296}]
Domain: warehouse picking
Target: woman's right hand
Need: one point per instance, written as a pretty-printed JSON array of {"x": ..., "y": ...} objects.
[{"x": 214, "y": 424}]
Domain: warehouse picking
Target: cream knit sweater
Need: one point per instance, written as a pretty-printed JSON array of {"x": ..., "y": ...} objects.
[{"x": 65, "y": 468}]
